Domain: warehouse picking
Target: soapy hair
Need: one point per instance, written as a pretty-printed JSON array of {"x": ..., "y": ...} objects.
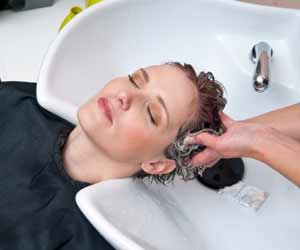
[{"x": 211, "y": 102}]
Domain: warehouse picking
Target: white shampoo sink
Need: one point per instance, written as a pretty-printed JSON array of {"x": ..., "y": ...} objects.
[{"x": 116, "y": 37}]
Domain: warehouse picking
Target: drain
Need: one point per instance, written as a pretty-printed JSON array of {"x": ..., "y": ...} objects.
[{"x": 224, "y": 173}]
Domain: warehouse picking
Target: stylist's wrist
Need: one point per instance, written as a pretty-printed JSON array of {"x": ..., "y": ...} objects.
[{"x": 262, "y": 139}]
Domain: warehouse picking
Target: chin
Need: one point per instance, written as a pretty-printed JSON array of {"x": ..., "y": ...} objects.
[
  {"x": 82, "y": 119},
  {"x": 90, "y": 124},
  {"x": 87, "y": 121}
]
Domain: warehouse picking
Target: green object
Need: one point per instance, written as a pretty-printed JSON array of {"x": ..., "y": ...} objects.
[
  {"x": 89, "y": 3},
  {"x": 76, "y": 10},
  {"x": 73, "y": 12}
]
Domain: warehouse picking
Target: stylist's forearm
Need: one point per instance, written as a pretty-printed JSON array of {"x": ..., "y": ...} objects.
[
  {"x": 280, "y": 152},
  {"x": 286, "y": 120}
]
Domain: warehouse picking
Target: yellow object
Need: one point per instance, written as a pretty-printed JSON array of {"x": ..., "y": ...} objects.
[
  {"x": 89, "y": 3},
  {"x": 76, "y": 10},
  {"x": 73, "y": 12}
]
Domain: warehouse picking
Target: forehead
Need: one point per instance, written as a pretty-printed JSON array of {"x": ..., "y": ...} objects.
[{"x": 176, "y": 89}]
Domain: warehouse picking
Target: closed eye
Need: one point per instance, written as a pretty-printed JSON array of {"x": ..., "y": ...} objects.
[
  {"x": 151, "y": 116},
  {"x": 133, "y": 82},
  {"x": 148, "y": 108}
]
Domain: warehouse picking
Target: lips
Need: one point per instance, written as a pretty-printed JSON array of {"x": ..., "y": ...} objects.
[{"x": 105, "y": 106}]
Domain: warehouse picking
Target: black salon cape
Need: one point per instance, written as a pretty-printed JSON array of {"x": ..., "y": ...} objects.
[{"x": 37, "y": 197}]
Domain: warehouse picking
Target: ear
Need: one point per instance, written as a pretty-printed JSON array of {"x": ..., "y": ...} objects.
[{"x": 162, "y": 166}]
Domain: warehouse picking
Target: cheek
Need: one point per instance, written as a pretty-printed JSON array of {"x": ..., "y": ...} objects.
[
  {"x": 140, "y": 143},
  {"x": 136, "y": 138}
]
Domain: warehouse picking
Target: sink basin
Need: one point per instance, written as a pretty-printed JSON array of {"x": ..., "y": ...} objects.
[
  {"x": 141, "y": 216},
  {"x": 118, "y": 36}
]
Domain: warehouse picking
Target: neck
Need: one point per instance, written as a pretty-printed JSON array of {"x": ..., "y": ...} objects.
[{"x": 85, "y": 162}]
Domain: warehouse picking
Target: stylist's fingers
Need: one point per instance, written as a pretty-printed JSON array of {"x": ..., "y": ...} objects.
[
  {"x": 203, "y": 139},
  {"x": 206, "y": 157},
  {"x": 209, "y": 139},
  {"x": 227, "y": 121},
  {"x": 212, "y": 163}
]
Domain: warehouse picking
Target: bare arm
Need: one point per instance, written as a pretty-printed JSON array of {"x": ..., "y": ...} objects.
[
  {"x": 280, "y": 152},
  {"x": 286, "y": 120},
  {"x": 254, "y": 140}
]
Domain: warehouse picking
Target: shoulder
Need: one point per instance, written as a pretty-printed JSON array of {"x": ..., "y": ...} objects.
[
  {"x": 12, "y": 94},
  {"x": 19, "y": 88},
  {"x": 18, "y": 100}
]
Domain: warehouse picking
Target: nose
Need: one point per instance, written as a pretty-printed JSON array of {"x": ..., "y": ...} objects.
[{"x": 125, "y": 99}]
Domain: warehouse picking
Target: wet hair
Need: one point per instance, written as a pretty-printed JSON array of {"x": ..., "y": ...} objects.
[{"x": 211, "y": 102}]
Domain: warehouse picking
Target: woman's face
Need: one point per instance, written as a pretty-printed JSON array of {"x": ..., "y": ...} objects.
[{"x": 146, "y": 113}]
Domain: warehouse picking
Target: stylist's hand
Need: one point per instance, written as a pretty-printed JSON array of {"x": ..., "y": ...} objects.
[{"x": 239, "y": 140}]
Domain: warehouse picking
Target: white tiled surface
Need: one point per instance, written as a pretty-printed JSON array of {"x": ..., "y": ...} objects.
[{"x": 25, "y": 37}]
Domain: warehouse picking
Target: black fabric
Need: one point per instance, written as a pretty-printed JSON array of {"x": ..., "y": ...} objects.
[
  {"x": 24, "y": 4},
  {"x": 37, "y": 197},
  {"x": 3, "y": 4}
]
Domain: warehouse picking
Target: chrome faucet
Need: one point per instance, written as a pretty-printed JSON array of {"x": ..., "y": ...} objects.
[{"x": 261, "y": 55}]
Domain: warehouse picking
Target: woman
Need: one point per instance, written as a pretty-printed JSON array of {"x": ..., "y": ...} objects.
[
  {"x": 273, "y": 138},
  {"x": 127, "y": 129}
]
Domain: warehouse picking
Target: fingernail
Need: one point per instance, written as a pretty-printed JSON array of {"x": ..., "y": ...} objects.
[
  {"x": 189, "y": 140},
  {"x": 198, "y": 140}
]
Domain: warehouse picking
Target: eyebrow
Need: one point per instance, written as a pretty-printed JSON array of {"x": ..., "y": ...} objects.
[
  {"x": 162, "y": 102},
  {"x": 145, "y": 75}
]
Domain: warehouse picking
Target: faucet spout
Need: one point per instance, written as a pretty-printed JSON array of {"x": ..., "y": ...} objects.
[{"x": 261, "y": 55}]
